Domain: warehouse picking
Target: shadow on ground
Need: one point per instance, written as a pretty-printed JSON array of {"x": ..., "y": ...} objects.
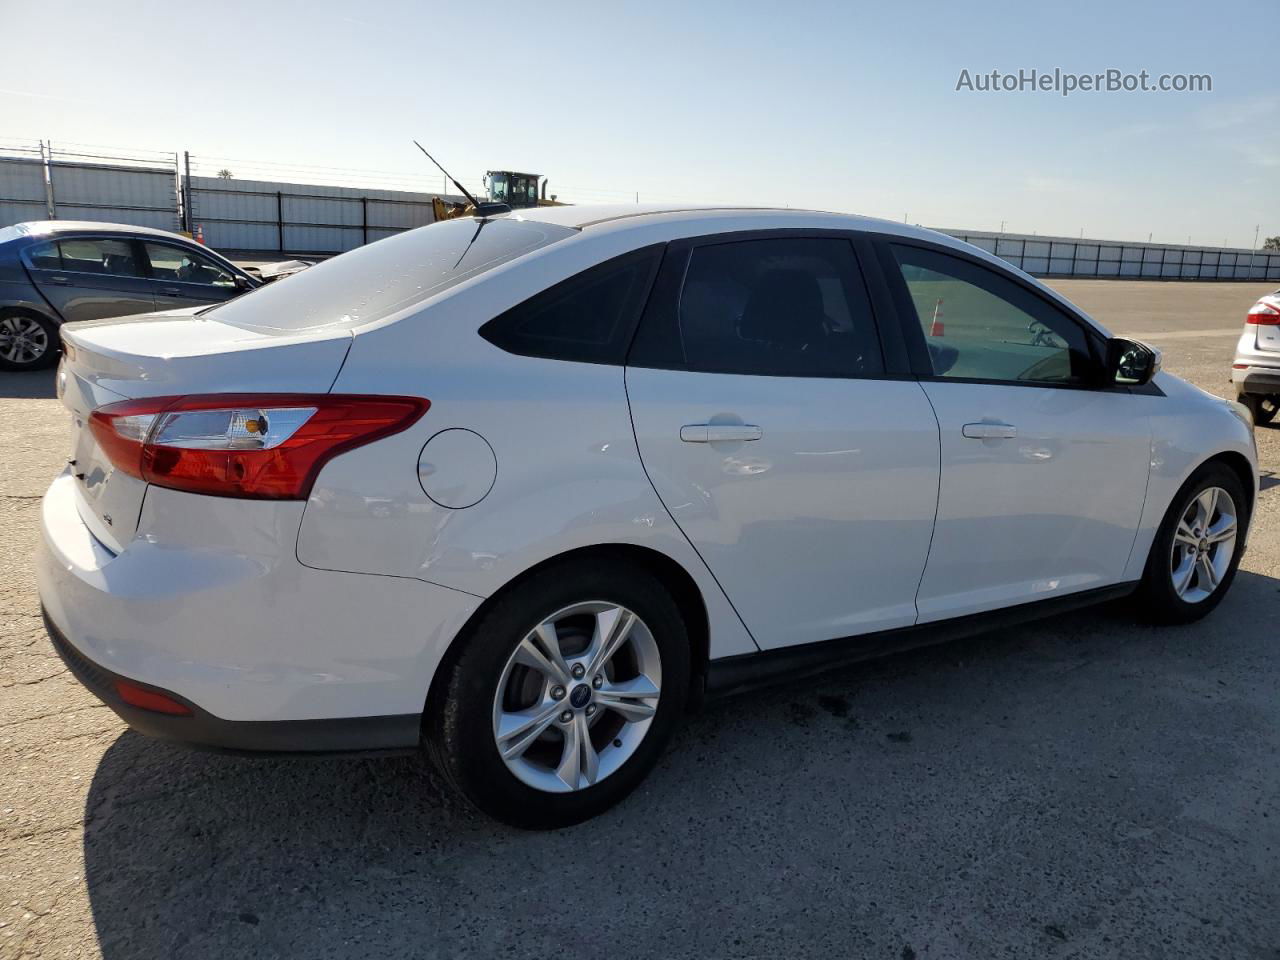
[
  {"x": 35, "y": 385},
  {"x": 1083, "y": 784}
]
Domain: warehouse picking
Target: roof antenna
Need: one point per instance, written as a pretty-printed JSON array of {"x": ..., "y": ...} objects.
[{"x": 482, "y": 209}]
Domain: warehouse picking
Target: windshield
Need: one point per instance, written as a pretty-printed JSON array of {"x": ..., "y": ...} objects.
[
  {"x": 498, "y": 187},
  {"x": 374, "y": 281}
]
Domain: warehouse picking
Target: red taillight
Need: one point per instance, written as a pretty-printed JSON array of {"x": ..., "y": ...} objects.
[
  {"x": 145, "y": 699},
  {"x": 1263, "y": 313},
  {"x": 256, "y": 446}
]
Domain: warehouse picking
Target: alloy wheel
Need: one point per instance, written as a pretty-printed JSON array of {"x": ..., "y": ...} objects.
[
  {"x": 23, "y": 339},
  {"x": 577, "y": 696},
  {"x": 1203, "y": 545}
]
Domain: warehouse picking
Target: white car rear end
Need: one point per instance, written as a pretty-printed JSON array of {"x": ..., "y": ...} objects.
[
  {"x": 1255, "y": 372},
  {"x": 170, "y": 574}
]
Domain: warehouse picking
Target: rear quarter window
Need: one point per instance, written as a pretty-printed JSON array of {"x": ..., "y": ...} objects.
[
  {"x": 589, "y": 318},
  {"x": 374, "y": 281}
]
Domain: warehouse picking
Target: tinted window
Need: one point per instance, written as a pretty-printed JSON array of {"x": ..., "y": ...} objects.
[
  {"x": 775, "y": 307},
  {"x": 45, "y": 256},
  {"x": 186, "y": 266},
  {"x": 982, "y": 326},
  {"x": 589, "y": 318},
  {"x": 90, "y": 255},
  {"x": 374, "y": 281}
]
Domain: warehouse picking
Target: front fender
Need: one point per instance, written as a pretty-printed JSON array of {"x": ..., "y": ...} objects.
[{"x": 1188, "y": 428}]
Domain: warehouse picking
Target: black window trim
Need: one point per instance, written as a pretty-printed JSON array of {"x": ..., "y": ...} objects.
[
  {"x": 909, "y": 326},
  {"x": 667, "y": 287}
]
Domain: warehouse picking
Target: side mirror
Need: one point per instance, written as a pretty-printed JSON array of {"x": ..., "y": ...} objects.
[
  {"x": 1131, "y": 363},
  {"x": 243, "y": 283}
]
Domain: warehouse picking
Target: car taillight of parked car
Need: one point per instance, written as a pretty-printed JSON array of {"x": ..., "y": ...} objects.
[
  {"x": 1263, "y": 313},
  {"x": 262, "y": 446}
]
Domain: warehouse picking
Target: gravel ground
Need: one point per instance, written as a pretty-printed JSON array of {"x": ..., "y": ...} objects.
[{"x": 1083, "y": 787}]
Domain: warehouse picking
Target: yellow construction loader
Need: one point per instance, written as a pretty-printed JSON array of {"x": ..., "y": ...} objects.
[
  {"x": 516, "y": 190},
  {"x": 506, "y": 190}
]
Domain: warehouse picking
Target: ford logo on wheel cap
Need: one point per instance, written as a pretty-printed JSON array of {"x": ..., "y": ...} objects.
[{"x": 580, "y": 696}]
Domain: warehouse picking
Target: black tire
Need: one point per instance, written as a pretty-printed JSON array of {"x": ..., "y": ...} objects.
[
  {"x": 1263, "y": 408},
  {"x": 1157, "y": 598},
  {"x": 459, "y": 732},
  {"x": 47, "y": 357}
]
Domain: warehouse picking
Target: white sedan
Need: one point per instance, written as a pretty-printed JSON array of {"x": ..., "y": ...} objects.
[
  {"x": 1255, "y": 372},
  {"x": 521, "y": 490}
]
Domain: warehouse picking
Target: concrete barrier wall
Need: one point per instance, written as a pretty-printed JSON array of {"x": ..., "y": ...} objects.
[
  {"x": 1078, "y": 257},
  {"x": 259, "y": 215}
]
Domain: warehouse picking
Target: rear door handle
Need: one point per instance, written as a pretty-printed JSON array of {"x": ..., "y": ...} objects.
[
  {"x": 60, "y": 281},
  {"x": 172, "y": 292},
  {"x": 716, "y": 432},
  {"x": 989, "y": 431}
]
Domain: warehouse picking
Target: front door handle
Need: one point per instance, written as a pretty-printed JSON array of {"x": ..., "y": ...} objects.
[
  {"x": 60, "y": 281},
  {"x": 172, "y": 291},
  {"x": 989, "y": 431},
  {"x": 716, "y": 432}
]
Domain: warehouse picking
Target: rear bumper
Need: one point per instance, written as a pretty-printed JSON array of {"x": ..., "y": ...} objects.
[
  {"x": 209, "y": 605},
  {"x": 203, "y": 729},
  {"x": 1255, "y": 379}
]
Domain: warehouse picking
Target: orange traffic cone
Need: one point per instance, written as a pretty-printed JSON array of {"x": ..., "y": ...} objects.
[
  {"x": 936, "y": 328},
  {"x": 200, "y": 235}
]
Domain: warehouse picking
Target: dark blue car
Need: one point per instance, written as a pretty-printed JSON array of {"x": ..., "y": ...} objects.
[{"x": 55, "y": 271}]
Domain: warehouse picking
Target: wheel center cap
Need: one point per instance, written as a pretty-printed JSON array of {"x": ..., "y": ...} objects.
[
  {"x": 580, "y": 696},
  {"x": 1204, "y": 545}
]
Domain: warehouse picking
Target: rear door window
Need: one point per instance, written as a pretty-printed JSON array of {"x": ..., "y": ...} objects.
[
  {"x": 786, "y": 306},
  {"x": 113, "y": 258}
]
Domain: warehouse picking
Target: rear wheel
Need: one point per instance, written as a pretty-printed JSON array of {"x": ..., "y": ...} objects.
[
  {"x": 1263, "y": 408},
  {"x": 27, "y": 342},
  {"x": 1197, "y": 549},
  {"x": 563, "y": 696}
]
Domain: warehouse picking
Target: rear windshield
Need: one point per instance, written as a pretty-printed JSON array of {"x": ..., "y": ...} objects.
[{"x": 374, "y": 281}]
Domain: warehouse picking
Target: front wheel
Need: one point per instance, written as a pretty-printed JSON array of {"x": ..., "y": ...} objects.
[
  {"x": 1197, "y": 549},
  {"x": 562, "y": 697}
]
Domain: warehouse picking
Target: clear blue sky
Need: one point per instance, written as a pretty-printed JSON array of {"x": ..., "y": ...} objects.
[{"x": 840, "y": 106}]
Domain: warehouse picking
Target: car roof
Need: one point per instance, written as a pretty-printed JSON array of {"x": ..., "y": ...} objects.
[
  {"x": 596, "y": 215},
  {"x": 45, "y": 228},
  {"x": 589, "y": 218}
]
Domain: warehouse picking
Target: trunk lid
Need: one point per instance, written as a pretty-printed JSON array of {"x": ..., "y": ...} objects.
[{"x": 164, "y": 354}]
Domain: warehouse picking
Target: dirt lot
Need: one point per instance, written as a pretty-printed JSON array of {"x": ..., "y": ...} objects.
[{"x": 1079, "y": 788}]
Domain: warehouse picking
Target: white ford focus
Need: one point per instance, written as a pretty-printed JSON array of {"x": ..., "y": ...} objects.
[{"x": 522, "y": 489}]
